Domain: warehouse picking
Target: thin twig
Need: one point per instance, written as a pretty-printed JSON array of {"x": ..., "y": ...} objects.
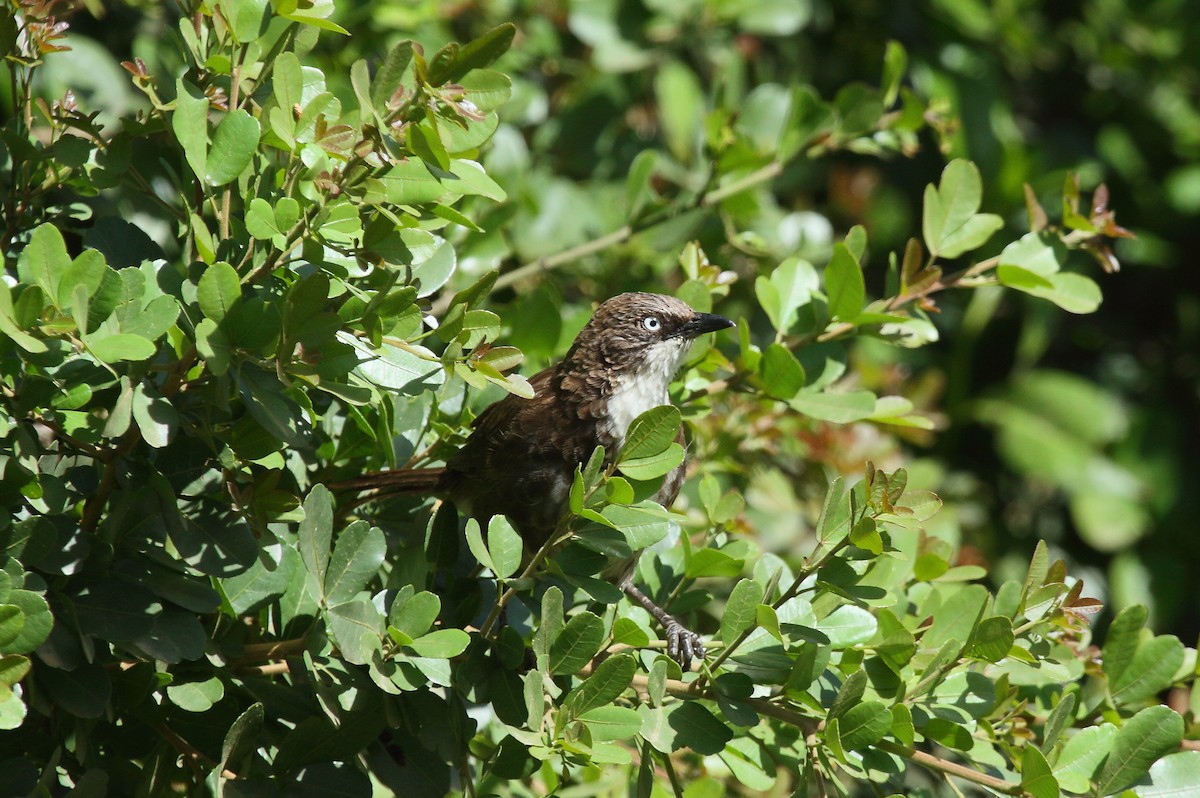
[
  {"x": 788, "y": 594},
  {"x": 810, "y": 725},
  {"x": 950, "y": 768},
  {"x": 624, "y": 233}
]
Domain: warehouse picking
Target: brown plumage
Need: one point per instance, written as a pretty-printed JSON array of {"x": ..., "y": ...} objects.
[{"x": 521, "y": 456}]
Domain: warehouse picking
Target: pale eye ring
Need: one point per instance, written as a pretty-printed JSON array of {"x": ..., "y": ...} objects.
[{"x": 651, "y": 323}]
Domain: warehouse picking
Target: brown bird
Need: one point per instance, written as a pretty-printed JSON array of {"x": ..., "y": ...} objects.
[{"x": 521, "y": 456}]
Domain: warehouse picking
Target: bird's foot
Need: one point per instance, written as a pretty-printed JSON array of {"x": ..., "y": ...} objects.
[{"x": 683, "y": 645}]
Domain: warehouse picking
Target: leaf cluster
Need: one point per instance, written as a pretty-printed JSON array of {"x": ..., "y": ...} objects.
[{"x": 184, "y": 602}]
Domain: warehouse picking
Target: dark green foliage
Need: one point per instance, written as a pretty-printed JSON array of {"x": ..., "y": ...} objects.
[{"x": 273, "y": 265}]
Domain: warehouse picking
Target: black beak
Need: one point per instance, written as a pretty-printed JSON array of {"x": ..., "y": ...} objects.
[{"x": 703, "y": 323}]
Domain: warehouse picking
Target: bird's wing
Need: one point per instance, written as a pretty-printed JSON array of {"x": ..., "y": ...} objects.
[{"x": 499, "y": 423}]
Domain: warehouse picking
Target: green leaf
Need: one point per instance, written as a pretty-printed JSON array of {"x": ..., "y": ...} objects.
[
  {"x": 37, "y": 626},
  {"x": 315, "y": 532},
  {"x": 87, "y": 270},
  {"x": 44, "y": 259},
  {"x": 287, "y": 88},
  {"x": 639, "y": 190},
  {"x": 12, "y": 708},
  {"x": 489, "y": 90},
  {"x": 1151, "y": 671},
  {"x": 651, "y": 433},
  {"x": 956, "y": 618},
  {"x": 357, "y": 556},
  {"x": 263, "y": 395},
  {"x": 189, "y": 121},
  {"x": 612, "y": 723},
  {"x": 781, "y": 372},
  {"x": 1041, "y": 254},
  {"x": 681, "y": 109},
  {"x": 844, "y": 284},
  {"x": 895, "y": 62},
  {"x": 155, "y": 416},
  {"x": 902, "y": 724},
  {"x": 356, "y": 627},
  {"x": 260, "y": 220},
  {"x": 155, "y": 318},
  {"x": 234, "y": 143},
  {"x": 605, "y": 685},
  {"x": 9, "y": 326},
  {"x": 442, "y": 644},
  {"x": 655, "y": 465},
  {"x": 196, "y": 696},
  {"x": 865, "y": 535},
  {"x": 789, "y": 288},
  {"x": 766, "y": 617},
  {"x": 834, "y": 522},
  {"x": 478, "y": 548},
  {"x": 504, "y": 546},
  {"x": 481, "y": 52},
  {"x": 84, "y": 692},
  {"x": 848, "y": 625},
  {"x": 1124, "y": 635},
  {"x": 1061, "y": 717},
  {"x": 712, "y": 562},
  {"x": 219, "y": 291},
  {"x": 1172, "y": 776},
  {"x": 849, "y": 694},
  {"x": 391, "y": 72},
  {"x": 245, "y": 18},
  {"x": 13, "y": 668},
  {"x": 12, "y": 620},
  {"x": 213, "y": 345},
  {"x": 1022, "y": 279},
  {"x": 259, "y": 585},
  {"x": 993, "y": 638},
  {"x": 243, "y": 731},
  {"x": 428, "y": 145},
  {"x": 1072, "y": 292},
  {"x": 550, "y": 623},
  {"x": 578, "y": 642},
  {"x": 950, "y": 223},
  {"x": 840, "y": 408},
  {"x": 1082, "y": 755},
  {"x": 642, "y": 525},
  {"x": 688, "y": 723},
  {"x": 864, "y": 724},
  {"x": 1152, "y": 733},
  {"x": 473, "y": 180},
  {"x": 740, "y": 610},
  {"x": 1036, "y": 778},
  {"x": 415, "y": 615}
]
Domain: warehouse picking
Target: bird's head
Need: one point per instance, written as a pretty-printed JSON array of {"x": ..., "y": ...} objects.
[{"x": 640, "y": 333}]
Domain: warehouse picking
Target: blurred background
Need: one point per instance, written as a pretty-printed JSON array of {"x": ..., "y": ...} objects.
[{"x": 1072, "y": 429}]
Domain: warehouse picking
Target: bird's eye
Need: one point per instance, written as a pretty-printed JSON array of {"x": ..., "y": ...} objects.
[{"x": 651, "y": 323}]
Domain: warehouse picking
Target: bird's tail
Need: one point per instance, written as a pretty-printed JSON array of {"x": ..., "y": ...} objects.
[{"x": 395, "y": 482}]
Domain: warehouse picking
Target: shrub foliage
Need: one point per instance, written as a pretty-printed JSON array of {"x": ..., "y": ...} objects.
[{"x": 186, "y": 608}]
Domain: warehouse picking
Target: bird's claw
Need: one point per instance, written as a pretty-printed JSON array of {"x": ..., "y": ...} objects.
[{"x": 683, "y": 645}]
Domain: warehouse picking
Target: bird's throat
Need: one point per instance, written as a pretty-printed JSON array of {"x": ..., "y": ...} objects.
[{"x": 635, "y": 392}]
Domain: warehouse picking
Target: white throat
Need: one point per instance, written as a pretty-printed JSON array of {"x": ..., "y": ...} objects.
[{"x": 646, "y": 388}]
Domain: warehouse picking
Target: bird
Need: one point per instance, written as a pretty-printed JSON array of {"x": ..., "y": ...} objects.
[{"x": 522, "y": 453}]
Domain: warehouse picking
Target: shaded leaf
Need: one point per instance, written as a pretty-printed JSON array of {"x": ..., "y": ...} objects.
[
  {"x": 740, "y": 609},
  {"x": 844, "y": 284},
  {"x": 233, "y": 145},
  {"x": 578, "y": 642},
  {"x": 864, "y": 724}
]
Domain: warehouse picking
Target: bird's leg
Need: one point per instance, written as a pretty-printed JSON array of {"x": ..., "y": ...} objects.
[{"x": 683, "y": 645}]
